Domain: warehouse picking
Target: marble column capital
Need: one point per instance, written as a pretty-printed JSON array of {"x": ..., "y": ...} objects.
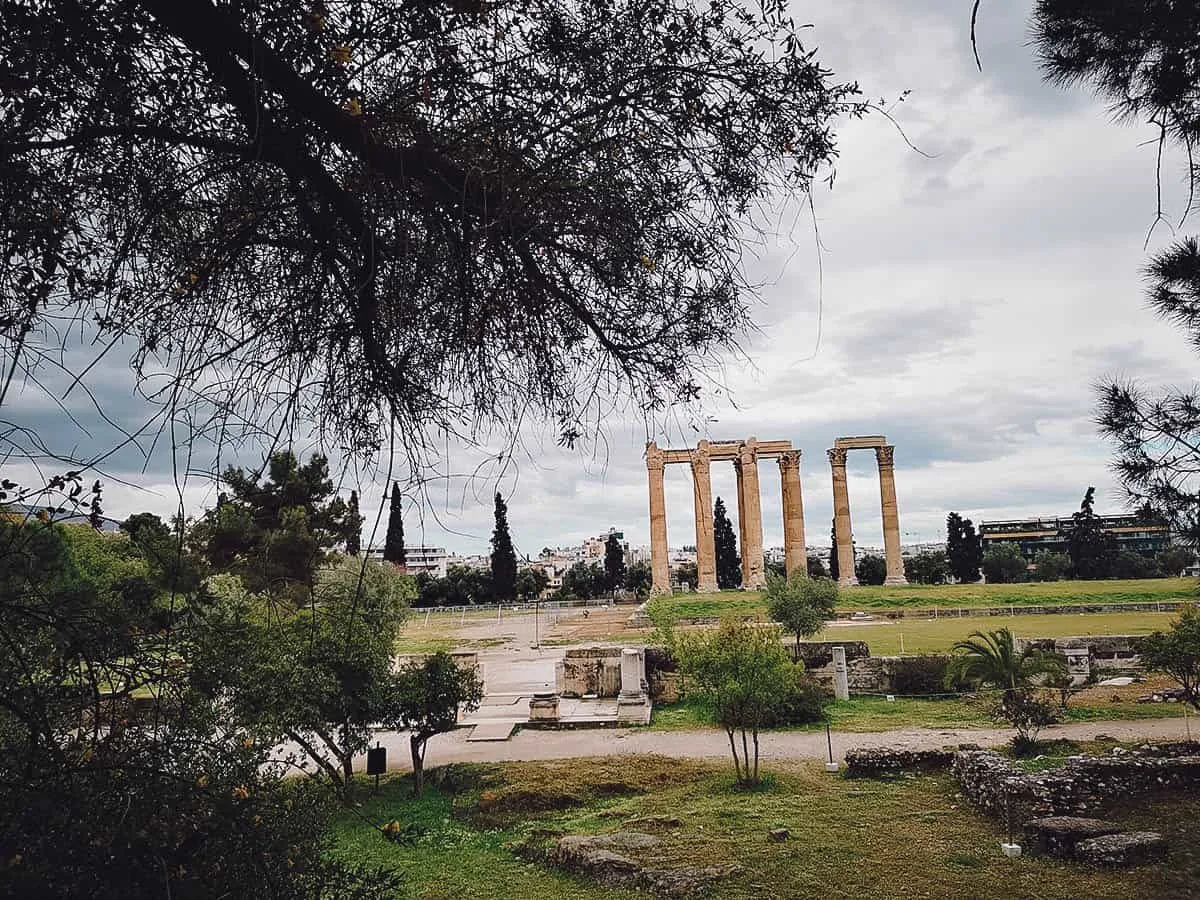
[
  {"x": 789, "y": 459},
  {"x": 837, "y": 457},
  {"x": 701, "y": 462},
  {"x": 885, "y": 455},
  {"x": 654, "y": 457}
]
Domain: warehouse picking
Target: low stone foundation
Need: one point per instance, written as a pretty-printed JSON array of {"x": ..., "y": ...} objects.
[
  {"x": 1083, "y": 785},
  {"x": 876, "y": 762},
  {"x": 591, "y": 670}
]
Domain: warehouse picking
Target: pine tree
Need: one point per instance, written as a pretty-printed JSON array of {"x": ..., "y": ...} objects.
[
  {"x": 353, "y": 526},
  {"x": 393, "y": 545},
  {"x": 1090, "y": 549},
  {"x": 963, "y": 548},
  {"x": 614, "y": 562},
  {"x": 504, "y": 558},
  {"x": 834, "y": 569},
  {"x": 729, "y": 566}
]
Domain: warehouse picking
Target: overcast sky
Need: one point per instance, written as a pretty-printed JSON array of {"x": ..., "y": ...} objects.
[{"x": 970, "y": 299}]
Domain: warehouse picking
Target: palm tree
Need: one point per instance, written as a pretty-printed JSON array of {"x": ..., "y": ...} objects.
[{"x": 991, "y": 660}]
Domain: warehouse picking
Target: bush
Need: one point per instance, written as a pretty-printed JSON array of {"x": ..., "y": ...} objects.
[
  {"x": 1004, "y": 564},
  {"x": 919, "y": 676},
  {"x": 1051, "y": 566},
  {"x": 1128, "y": 564},
  {"x": 871, "y": 569},
  {"x": 802, "y": 702}
]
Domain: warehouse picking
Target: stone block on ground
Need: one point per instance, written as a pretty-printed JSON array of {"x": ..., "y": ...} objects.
[
  {"x": 610, "y": 859},
  {"x": 1130, "y": 848},
  {"x": 1059, "y": 835}
]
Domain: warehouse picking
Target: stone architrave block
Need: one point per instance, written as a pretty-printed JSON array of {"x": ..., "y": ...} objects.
[
  {"x": 1058, "y": 835},
  {"x": 1131, "y": 848}
]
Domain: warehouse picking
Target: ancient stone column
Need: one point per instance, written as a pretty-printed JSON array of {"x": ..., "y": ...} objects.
[
  {"x": 706, "y": 551},
  {"x": 660, "y": 565},
  {"x": 841, "y": 677},
  {"x": 741, "y": 506},
  {"x": 891, "y": 515},
  {"x": 841, "y": 518},
  {"x": 751, "y": 507},
  {"x": 794, "y": 553}
]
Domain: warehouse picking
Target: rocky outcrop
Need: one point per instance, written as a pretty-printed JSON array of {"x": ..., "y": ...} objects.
[{"x": 613, "y": 860}]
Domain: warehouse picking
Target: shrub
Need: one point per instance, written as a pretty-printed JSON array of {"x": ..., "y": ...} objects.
[
  {"x": 918, "y": 676},
  {"x": 871, "y": 569},
  {"x": 802, "y": 702}
]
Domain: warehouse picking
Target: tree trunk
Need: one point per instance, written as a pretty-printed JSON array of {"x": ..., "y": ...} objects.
[
  {"x": 733, "y": 746},
  {"x": 348, "y": 774},
  {"x": 755, "y": 754},
  {"x": 417, "y": 746},
  {"x": 745, "y": 757}
]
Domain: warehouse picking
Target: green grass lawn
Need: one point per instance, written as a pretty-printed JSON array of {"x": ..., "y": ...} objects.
[
  {"x": 911, "y": 837},
  {"x": 887, "y": 637},
  {"x": 953, "y": 595},
  {"x": 864, "y": 714}
]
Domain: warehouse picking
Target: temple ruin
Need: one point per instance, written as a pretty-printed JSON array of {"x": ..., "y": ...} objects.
[
  {"x": 884, "y": 453},
  {"x": 745, "y": 456}
]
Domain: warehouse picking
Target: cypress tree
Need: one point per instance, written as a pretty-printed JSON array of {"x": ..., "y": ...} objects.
[
  {"x": 393, "y": 545},
  {"x": 729, "y": 566},
  {"x": 353, "y": 526},
  {"x": 614, "y": 562},
  {"x": 834, "y": 571},
  {"x": 963, "y": 548},
  {"x": 504, "y": 558}
]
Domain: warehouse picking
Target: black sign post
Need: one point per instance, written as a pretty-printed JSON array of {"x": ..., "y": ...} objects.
[{"x": 376, "y": 762}]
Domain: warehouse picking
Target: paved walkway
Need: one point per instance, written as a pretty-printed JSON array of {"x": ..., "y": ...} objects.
[{"x": 536, "y": 744}]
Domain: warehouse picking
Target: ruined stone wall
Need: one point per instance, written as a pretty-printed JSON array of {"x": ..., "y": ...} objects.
[
  {"x": 591, "y": 670},
  {"x": 1105, "y": 651},
  {"x": 1082, "y": 785}
]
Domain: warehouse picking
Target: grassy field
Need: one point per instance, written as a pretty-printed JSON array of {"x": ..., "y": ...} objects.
[
  {"x": 849, "y": 838},
  {"x": 921, "y": 596},
  {"x": 864, "y": 714},
  {"x": 891, "y": 637}
]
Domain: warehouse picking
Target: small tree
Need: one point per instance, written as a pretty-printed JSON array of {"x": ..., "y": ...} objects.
[
  {"x": 504, "y": 557},
  {"x": 1131, "y": 564},
  {"x": 1051, "y": 566},
  {"x": 1176, "y": 652},
  {"x": 742, "y": 670},
  {"x": 816, "y": 568},
  {"x": 927, "y": 568},
  {"x": 1174, "y": 560},
  {"x": 429, "y": 694},
  {"x": 393, "y": 545},
  {"x": 801, "y": 604},
  {"x": 638, "y": 580},
  {"x": 614, "y": 563},
  {"x": 686, "y": 573},
  {"x": 530, "y": 584},
  {"x": 871, "y": 569},
  {"x": 729, "y": 565},
  {"x": 1004, "y": 564}
]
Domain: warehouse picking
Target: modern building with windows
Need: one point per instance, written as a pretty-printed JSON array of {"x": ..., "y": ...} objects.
[
  {"x": 418, "y": 559},
  {"x": 1036, "y": 535}
]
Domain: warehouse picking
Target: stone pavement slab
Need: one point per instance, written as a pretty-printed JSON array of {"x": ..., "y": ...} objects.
[{"x": 491, "y": 731}]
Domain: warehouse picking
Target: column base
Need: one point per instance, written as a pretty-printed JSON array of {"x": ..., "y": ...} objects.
[
  {"x": 895, "y": 580},
  {"x": 710, "y": 588},
  {"x": 848, "y": 581}
]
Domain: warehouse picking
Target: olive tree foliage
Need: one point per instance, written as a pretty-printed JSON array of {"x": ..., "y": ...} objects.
[
  {"x": 1144, "y": 58},
  {"x": 801, "y": 604},
  {"x": 428, "y": 696},
  {"x": 1176, "y": 652},
  {"x": 433, "y": 217},
  {"x": 742, "y": 670}
]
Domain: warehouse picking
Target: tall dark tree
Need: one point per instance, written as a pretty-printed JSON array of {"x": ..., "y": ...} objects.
[
  {"x": 614, "y": 562},
  {"x": 393, "y": 544},
  {"x": 400, "y": 214},
  {"x": 504, "y": 557},
  {"x": 834, "y": 569},
  {"x": 729, "y": 564},
  {"x": 354, "y": 523},
  {"x": 274, "y": 533},
  {"x": 1090, "y": 548},
  {"x": 964, "y": 550},
  {"x": 1145, "y": 58}
]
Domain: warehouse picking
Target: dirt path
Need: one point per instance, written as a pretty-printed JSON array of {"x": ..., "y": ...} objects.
[{"x": 534, "y": 744}]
